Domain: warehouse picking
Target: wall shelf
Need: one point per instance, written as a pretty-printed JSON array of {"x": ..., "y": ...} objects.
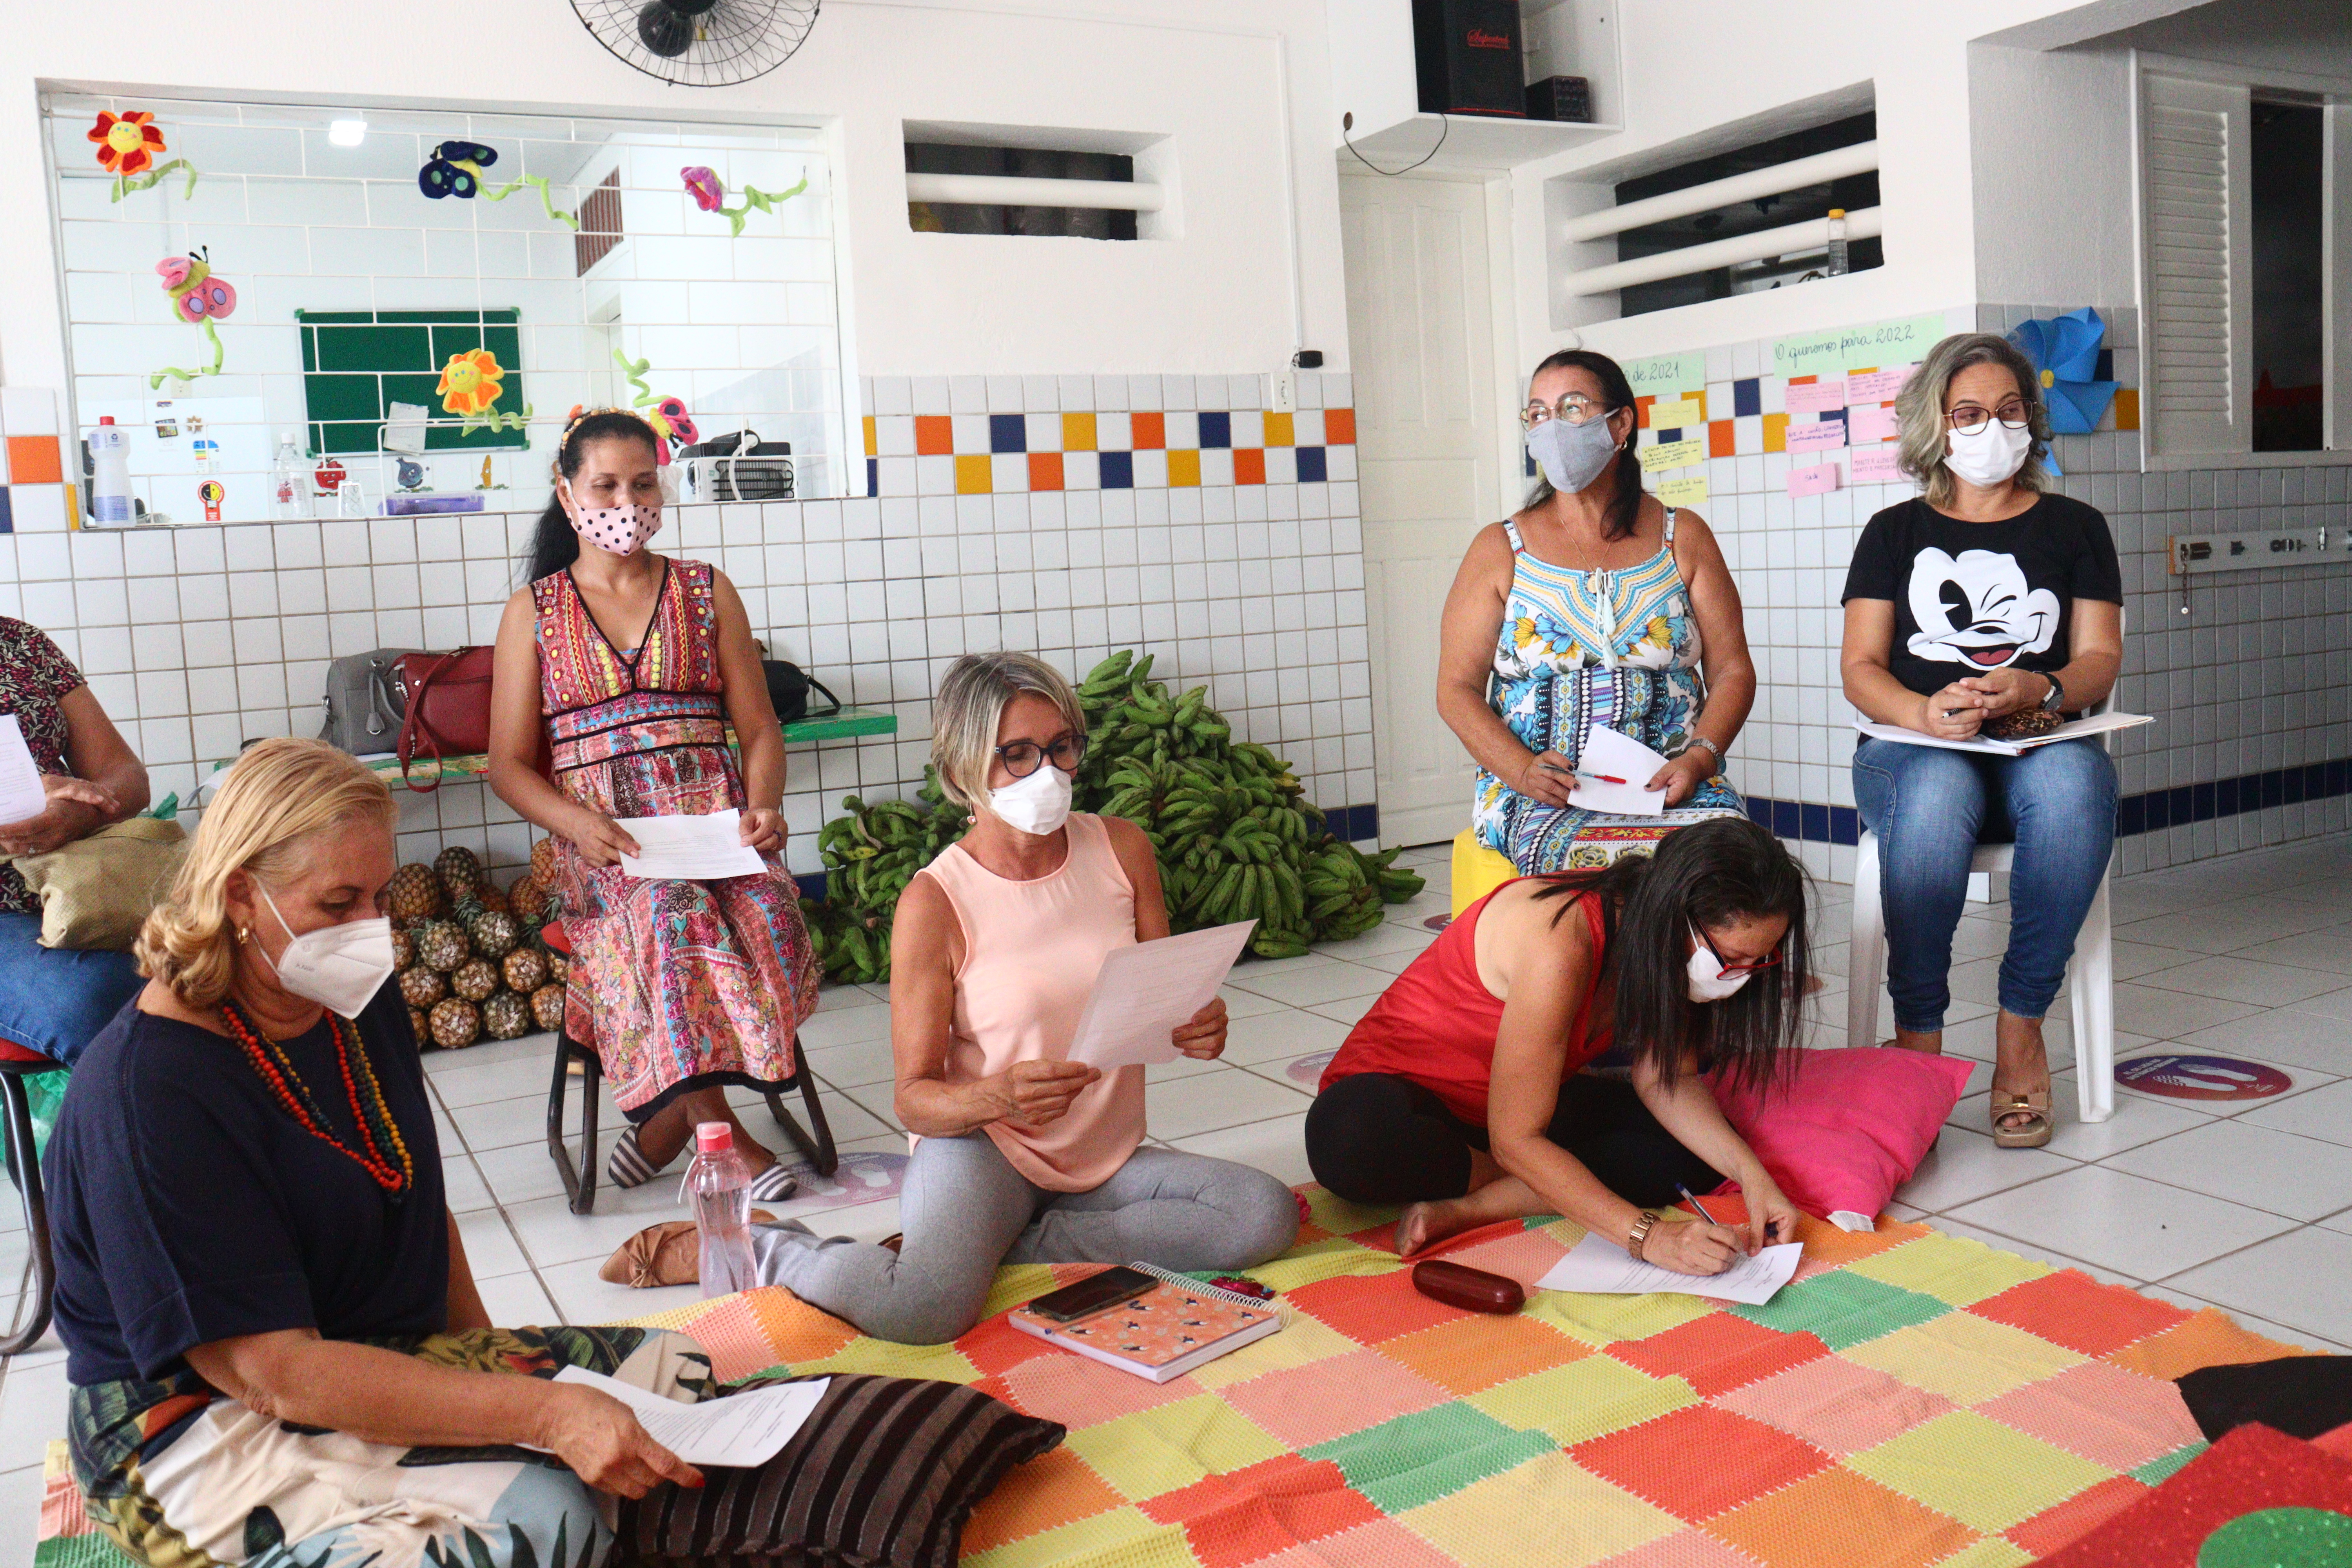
[{"x": 1475, "y": 144}]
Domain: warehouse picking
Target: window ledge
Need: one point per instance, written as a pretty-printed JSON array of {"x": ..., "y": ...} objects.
[{"x": 2173, "y": 462}]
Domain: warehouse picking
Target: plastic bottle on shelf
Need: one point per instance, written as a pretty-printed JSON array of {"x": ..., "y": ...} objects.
[
  {"x": 1837, "y": 266},
  {"x": 110, "y": 477},
  {"x": 290, "y": 487},
  {"x": 718, "y": 1185}
]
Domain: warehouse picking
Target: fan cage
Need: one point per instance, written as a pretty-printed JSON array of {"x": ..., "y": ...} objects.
[{"x": 735, "y": 41}]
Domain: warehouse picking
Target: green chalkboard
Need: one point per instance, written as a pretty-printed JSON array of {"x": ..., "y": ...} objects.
[{"x": 357, "y": 363}]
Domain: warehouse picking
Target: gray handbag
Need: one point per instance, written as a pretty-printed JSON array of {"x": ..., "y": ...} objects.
[{"x": 365, "y": 706}]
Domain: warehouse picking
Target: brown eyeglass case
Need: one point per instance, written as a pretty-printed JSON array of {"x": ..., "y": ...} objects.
[{"x": 1472, "y": 1289}]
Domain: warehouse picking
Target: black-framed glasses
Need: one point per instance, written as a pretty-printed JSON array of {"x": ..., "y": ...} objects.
[
  {"x": 1576, "y": 408},
  {"x": 1968, "y": 418},
  {"x": 1725, "y": 968},
  {"x": 1020, "y": 757}
]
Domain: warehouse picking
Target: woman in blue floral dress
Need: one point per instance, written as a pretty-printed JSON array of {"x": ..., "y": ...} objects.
[{"x": 1595, "y": 605}]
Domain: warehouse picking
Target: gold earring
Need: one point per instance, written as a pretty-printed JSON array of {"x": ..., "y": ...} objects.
[{"x": 243, "y": 935}]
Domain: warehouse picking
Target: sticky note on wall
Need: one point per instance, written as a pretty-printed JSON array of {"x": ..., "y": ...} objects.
[
  {"x": 1814, "y": 438},
  {"x": 1818, "y": 479},
  {"x": 1875, "y": 466},
  {"x": 1876, "y": 386},
  {"x": 1679, "y": 415},
  {"x": 1870, "y": 423},
  {"x": 1687, "y": 490},
  {"x": 1672, "y": 454},
  {"x": 1813, "y": 396}
]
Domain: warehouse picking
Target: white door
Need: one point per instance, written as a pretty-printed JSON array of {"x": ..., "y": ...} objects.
[{"x": 1421, "y": 343}]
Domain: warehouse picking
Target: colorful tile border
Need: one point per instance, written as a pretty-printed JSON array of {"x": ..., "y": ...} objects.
[
  {"x": 1104, "y": 449},
  {"x": 33, "y": 495}
]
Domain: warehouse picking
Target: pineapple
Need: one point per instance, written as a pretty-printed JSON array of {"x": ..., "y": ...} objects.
[
  {"x": 525, "y": 970},
  {"x": 459, "y": 871},
  {"x": 492, "y": 898},
  {"x": 465, "y": 909},
  {"x": 559, "y": 968},
  {"x": 505, "y": 1017},
  {"x": 542, "y": 862},
  {"x": 547, "y": 1007},
  {"x": 415, "y": 894},
  {"x": 420, "y": 1024},
  {"x": 422, "y": 987},
  {"x": 404, "y": 951},
  {"x": 455, "y": 1024},
  {"x": 493, "y": 934},
  {"x": 475, "y": 979},
  {"x": 527, "y": 900},
  {"x": 441, "y": 945}
]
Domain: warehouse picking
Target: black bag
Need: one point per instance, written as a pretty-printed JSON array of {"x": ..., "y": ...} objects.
[
  {"x": 740, "y": 467},
  {"x": 788, "y": 688}
]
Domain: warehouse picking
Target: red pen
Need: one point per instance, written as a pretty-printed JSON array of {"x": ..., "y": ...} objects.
[{"x": 1571, "y": 772}]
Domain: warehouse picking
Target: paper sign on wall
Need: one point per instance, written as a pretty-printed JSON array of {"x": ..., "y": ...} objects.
[
  {"x": 1814, "y": 438},
  {"x": 1813, "y": 396},
  {"x": 1870, "y": 423},
  {"x": 1665, "y": 376},
  {"x": 1835, "y": 351},
  {"x": 1877, "y": 385},
  {"x": 1676, "y": 416},
  {"x": 1875, "y": 466},
  {"x": 1818, "y": 479},
  {"x": 1688, "y": 490},
  {"x": 1672, "y": 454}
]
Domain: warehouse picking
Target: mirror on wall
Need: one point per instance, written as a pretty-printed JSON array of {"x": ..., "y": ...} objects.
[{"x": 311, "y": 310}]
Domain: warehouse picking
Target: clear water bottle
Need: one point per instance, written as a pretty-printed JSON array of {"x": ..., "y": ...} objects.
[
  {"x": 290, "y": 489},
  {"x": 109, "y": 474},
  {"x": 719, "y": 1184},
  {"x": 1837, "y": 266}
]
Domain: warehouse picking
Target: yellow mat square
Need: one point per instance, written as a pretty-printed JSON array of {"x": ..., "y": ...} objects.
[
  {"x": 1965, "y": 1358},
  {"x": 1172, "y": 1445},
  {"x": 1600, "y": 1320},
  {"x": 1123, "y": 1538},
  {"x": 1583, "y": 1400},
  {"x": 1303, "y": 1340},
  {"x": 1334, "y": 1259},
  {"x": 1984, "y": 1474},
  {"x": 1341, "y": 1217},
  {"x": 1548, "y": 1510},
  {"x": 1017, "y": 1284},
  {"x": 945, "y": 1363},
  {"x": 1950, "y": 1268},
  {"x": 1992, "y": 1551}
]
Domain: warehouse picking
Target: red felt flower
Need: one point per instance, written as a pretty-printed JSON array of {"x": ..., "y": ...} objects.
[{"x": 127, "y": 143}]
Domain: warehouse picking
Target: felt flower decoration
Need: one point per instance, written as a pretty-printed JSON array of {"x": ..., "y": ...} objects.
[
  {"x": 455, "y": 169},
  {"x": 197, "y": 292},
  {"x": 703, "y": 185},
  {"x": 670, "y": 417},
  {"x": 127, "y": 143},
  {"x": 470, "y": 382},
  {"x": 2066, "y": 353}
]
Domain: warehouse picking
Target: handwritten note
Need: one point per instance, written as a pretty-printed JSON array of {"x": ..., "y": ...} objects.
[
  {"x": 1875, "y": 466},
  {"x": 1818, "y": 479},
  {"x": 1672, "y": 454},
  {"x": 1835, "y": 351},
  {"x": 1679, "y": 415},
  {"x": 1818, "y": 437},
  {"x": 1813, "y": 396},
  {"x": 1876, "y": 386},
  {"x": 1663, "y": 376},
  {"x": 1603, "y": 1267},
  {"x": 1689, "y": 491},
  {"x": 1870, "y": 423}
]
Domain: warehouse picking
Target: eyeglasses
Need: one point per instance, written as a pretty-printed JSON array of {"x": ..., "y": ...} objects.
[
  {"x": 1020, "y": 757},
  {"x": 1575, "y": 408},
  {"x": 1729, "y": 969},
  {"x": 1968, "y": 418}
]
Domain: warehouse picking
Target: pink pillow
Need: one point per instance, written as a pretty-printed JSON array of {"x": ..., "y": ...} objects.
[{"x": 1841, "y": 1129}]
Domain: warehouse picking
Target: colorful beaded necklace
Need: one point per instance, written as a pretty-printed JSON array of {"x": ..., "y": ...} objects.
[{"x": 372, "y": 1118}]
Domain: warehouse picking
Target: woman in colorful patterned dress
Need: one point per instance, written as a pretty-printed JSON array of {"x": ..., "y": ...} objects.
[
  {"x": 1594, "y": 606},
  {"x": 630, "y": 666}
]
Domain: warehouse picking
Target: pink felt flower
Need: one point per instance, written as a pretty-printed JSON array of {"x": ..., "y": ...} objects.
[{"x": 703, "y": 185}]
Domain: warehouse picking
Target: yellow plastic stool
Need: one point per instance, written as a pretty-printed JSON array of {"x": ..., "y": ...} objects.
[{"x": 1478, "y": 871}]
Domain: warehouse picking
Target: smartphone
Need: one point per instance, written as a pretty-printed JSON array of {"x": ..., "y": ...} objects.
[{"x": 1093, "y": 1294}]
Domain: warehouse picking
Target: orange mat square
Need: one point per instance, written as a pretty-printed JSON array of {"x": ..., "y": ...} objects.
[
  {"x": 1691, "y": 1547},
  {"x": 1698, "y": 1461},
  {"x": 2079, "y": 1515},
  {"x": 1718, "y": 1352},
  {"x": 2109, "y": 1416},
  {"x": 1383, "y": 1543},
  {"x": 1835, "y": 1405},
  {"x": 1079, "y": 1393},
  {"x": 1371, "y": 1310},
  {"x": 1338, "y": 427},
  {"x": 1476, "y": 1351},
  {"x": 1262, "y": 1509},
  {"x": 2210, "y": 1338},
  {"x": 1514, "y": 1252},
  {"x": 1055, "y": 1489},
  {"x": 934, "y": 436},
  {"x": 1840, "y": 1519},
  {"x": 996, "y": 1346},
  {"x": 2071, "y": 1309},
  {"x": 1305, "y": 1406}
]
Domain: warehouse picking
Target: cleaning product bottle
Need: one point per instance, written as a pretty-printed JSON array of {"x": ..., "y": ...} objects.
[
  {"x": 289, "y": 490},
  {"x": 719, "y": 1184},
  {"x": 1837, "y": 266},
  {"x": 110, "y": 477}
]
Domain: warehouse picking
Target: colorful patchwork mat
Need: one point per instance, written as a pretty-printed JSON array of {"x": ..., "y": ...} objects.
[{"x": 1910, "y": 1398}]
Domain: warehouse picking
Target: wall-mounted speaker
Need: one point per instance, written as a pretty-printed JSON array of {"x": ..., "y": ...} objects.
[{"x": 1468, "y": 56}]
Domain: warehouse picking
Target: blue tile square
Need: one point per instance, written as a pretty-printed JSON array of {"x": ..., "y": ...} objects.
[
  {"x": 2225, "y": 797},
  {"x": 2305, "y": 787},
  {"x": 1117, "y": 470},
  {"x": 7, "y": 513},
  {"x": 811, "y": 885},
  {"x": 1845, "y": 825},
  {"x": 1816, "y": 818},
  {"x": 2200, "y": 803},
  {"x": 2336, "y": 774},
  {"x": 1311, "y": 468},
  {"x": 1368, "y": 820},
  {"x": 2131, "y": 816},
  {"x": 873, "y": 476},
  {"x": 1217, "y": 430},
  {"x": 1747, "y": 397},
  {"x": 1760, "y": 811},
  {"x": 1008, "y": 432},
  {"x": 2104, "y": 369},
  {"x": 2270, "y": 787},
  {"x": 1528, "y": 461},
  {"x": 1788, "y": 820},
  {"x": 1666, "y": 435},
  {"x": 2176, "y": 806}
]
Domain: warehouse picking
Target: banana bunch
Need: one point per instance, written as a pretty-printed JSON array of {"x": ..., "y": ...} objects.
[{"x": 870, "y": 855}]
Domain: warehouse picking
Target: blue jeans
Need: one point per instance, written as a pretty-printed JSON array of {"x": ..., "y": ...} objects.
[
  {"x": 1931, "y": 807},
  {"x": 56, "y": 1000}
]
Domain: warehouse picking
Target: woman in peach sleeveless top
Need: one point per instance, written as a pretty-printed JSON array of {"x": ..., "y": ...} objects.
[{"x": 1021, "y": 1156}]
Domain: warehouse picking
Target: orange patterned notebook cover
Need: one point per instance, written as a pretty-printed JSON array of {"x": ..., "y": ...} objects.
[{"x": 1164, "y": 1332}]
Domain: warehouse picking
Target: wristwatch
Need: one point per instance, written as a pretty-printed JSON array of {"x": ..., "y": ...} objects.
[
  {"x": 1640, "y": 1233},
  {"x": 2056, "y": 701},
  {"x": 1712, "y": 750}
]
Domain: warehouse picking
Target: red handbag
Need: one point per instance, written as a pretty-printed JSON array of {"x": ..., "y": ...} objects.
[{"x": 445, "y": 708}]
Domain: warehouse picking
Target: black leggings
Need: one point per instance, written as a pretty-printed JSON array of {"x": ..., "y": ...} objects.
[{"x": 1376, "y": 1139}]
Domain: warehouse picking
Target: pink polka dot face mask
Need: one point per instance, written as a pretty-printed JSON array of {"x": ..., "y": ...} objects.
[{"x": 621, "y": 530}]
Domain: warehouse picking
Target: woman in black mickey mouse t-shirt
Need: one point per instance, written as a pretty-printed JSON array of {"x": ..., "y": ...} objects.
[{"x": 1985, "y": 602}]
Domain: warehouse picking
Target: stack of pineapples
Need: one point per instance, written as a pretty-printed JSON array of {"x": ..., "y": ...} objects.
[{"x": 469, "y": 955}]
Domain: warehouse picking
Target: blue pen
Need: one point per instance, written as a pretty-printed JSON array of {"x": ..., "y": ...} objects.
[{"x": 1692, "y": 1198}]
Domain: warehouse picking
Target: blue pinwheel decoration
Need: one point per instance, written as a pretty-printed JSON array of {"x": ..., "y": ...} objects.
[{"x": 2066, "y": 352}]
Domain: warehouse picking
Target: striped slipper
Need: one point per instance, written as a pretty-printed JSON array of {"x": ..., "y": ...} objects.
[
  {"x": 628, "y": 1166},
  {"x": 774, "y": 1184}
]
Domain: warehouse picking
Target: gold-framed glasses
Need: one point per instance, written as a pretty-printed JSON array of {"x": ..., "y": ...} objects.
[
  {"x": 1968, "y": 418},
  {"x": 1575, "y": 408}
]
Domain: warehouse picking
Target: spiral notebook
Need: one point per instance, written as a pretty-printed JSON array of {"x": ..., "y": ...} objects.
[{"x": 1165, "y": 1332}]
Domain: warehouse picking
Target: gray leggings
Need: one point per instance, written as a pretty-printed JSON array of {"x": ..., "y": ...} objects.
[{"x": 966, "y": 1210}]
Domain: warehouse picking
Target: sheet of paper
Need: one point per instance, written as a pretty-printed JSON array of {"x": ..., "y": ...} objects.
[
  {"x": 1818, "y": 479},
  {"x": 690, "y": 848},
  {"x": 2096, "y": 725},
  {"x": 404, "y": 428},
  {"x": 1688, "y": 490},
  {"x": 1826, "y": 436},
  {"x": 1603, "y": 1268},
  {"x": 1607, "y": 752},
  {"x": 1143, "y": 993},
  {"x": 1876, "y": 466},
  {"x": 1876, "y": 386},
  {"x": 1869, "y": 421},
  {"x": 736, "y": 1432},
  {"x": 1672, "y": 454},
  {"x": 1665, "y": 375},
  {"x": 1813, "y": 396},
  {"x": 21, "y": 795},
  {"x": 1679, "y": 415},
  {"x": 1837, "y": 350}
]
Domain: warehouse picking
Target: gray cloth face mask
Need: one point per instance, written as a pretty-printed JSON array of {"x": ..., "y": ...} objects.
[{"x": 1572, "y": 456}]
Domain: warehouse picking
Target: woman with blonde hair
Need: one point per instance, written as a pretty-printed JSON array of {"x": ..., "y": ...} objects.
[
  {"x": 1987, "y": 605},
  {"x": 273, "y": 1339},
  {"x": 1021, "y": 1155}
]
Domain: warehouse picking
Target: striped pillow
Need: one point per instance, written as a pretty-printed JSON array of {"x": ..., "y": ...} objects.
[{"x": 885, "y": 1472}]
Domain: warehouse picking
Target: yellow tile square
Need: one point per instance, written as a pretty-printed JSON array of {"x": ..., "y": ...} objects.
[
  {"x": 1583, "y": 1400},
  {"x": 870, "y": 446},
  {"x": 1183, "y": 467},
  {"x": 1124, "y": 1536},
  {"x": 1303, "y": 1340},
  {"x": 1965, "y": 1358},
  {"x": 1281, "y": 430},
  {"x": 1548, "y": 1510},
  {"x": 1986, "y": 1474},
  {"x": 1077, "y": 432},
  {"x": 974, "y": 473},
  {"x": 1948, "y": 1267},
  {"x": 1172, "y": 1445}
]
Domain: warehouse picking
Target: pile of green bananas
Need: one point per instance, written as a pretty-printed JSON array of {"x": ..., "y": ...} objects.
[{"x": 1235, "y": 835}]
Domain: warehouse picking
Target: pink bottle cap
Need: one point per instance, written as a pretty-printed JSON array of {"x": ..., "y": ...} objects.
[{"x": 713, "y": 1137}]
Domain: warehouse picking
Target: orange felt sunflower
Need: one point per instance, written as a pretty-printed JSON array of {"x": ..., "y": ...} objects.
[
  {"x": 470, "y": 382},
  {"x": 127, "y": 143}
]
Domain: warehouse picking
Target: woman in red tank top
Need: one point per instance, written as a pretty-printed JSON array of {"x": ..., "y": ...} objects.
[{"x": 1462, "y": 1092}]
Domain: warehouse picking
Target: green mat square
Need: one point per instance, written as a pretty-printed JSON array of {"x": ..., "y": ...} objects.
[
  {"x": 1430, "y": 1454},
  {"x": 1845, "y": 1309},
  {"x": 2159, "y": 1470}
]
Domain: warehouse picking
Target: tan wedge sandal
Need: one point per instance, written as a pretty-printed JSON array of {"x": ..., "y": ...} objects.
[{"x": 2031, "y": 1132}]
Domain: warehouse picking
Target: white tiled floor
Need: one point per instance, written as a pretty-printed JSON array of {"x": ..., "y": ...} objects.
[{"x": 2244, "y": 1205}]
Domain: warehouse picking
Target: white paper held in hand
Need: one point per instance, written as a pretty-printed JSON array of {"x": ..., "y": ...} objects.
[
  {"x": 1604, "y": 1268},
  {"x": 1143, "y": 993},
  {"x": 736, "y": 1432},
  {"x": 1607, "y": 752},
  {"x": 690, "y": 848},
  {"x": 22, "y": 797}
]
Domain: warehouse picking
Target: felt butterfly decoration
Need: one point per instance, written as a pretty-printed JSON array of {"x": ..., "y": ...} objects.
[
  {"x": 197, "y": 291},
  {"x": 455, "y": 169}
]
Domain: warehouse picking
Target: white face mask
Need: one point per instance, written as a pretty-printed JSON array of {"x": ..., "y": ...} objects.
[
  {"x": 1036, "y": 804},
  {"x": 621, "y": 530},
  {"x": 1572, "y": 456},
  {"x": 1707, "y": 982},
  {"x": 1990, "y": 455},
  {"x": 341, "y": 967}
]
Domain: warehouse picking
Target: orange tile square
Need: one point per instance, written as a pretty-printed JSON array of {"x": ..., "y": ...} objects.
[
  {"x": 871, "y": 448},
  {"x": 2127, "y": 408},
  {"x": 1150, "y": 431},
  {"x": 1642, "y": 411},
  {"x": 934, "y": 436},
  {"x": 1840, "y": 1519},
  {"x": 1249, "y": 465},
  {"x": 33, "y": 460},
  {"x": 1371, "y": 1310},
  {"x": 1721, "y": 439},
  {"x": 2071, "y": 1309},
  {"x": 1776, "y": 432},
  {"x": 1251, "y": 1513},
  {"x": 1053, "y": 1489},
  {"x": 1338, "y": 427},
  {"x": 1698, "y": 1461},
  {"x": 2053, "y": 1527},
  {"x": 1044, "y": 471},
  {"x": 1184, "y": 468},
  {"x": 1718, "y": 1352},
  {"x": 1303, "y": 1406},
  {"x": 1282, "y": 430},
  {"x": 1077, "y": 432},
  {"x": 1476, "y": 1351},
  {"x": 975, "y": 474}
]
